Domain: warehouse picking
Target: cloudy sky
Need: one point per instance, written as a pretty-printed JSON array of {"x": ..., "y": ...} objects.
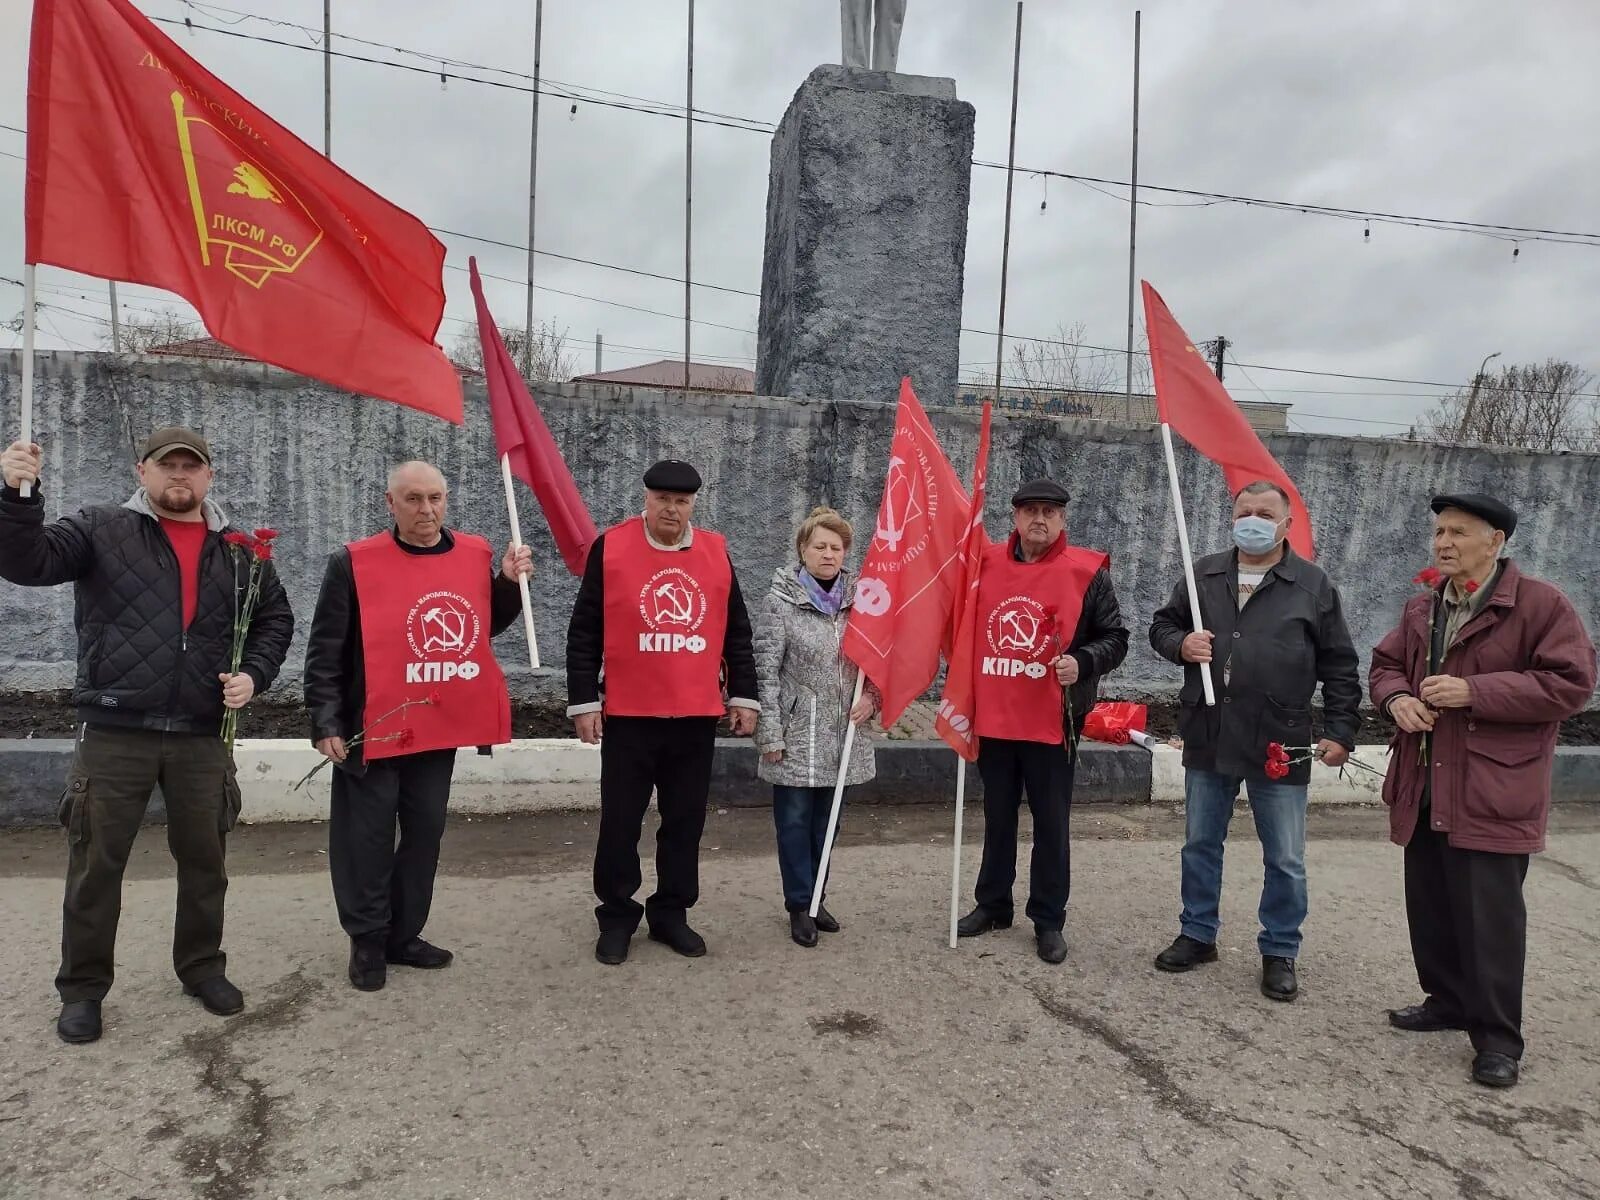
[{"x": 1473, "y": 110}]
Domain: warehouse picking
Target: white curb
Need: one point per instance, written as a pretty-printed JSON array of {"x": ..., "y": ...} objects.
[{"x": 1327, "y": 786}]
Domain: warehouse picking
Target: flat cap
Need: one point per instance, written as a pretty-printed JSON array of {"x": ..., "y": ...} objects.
[
  {"x": 672, "y": 475},
  {"x": 175, "y": 437},
  {"x": 1498, "y": 513},
  {"x": 1040, "y": 491}
]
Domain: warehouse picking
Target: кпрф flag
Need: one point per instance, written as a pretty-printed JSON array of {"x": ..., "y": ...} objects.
[{"x": 145, "y": 167}]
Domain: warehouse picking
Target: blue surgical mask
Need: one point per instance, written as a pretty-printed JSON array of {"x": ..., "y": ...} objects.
[{"x": 1255, "y": 535}]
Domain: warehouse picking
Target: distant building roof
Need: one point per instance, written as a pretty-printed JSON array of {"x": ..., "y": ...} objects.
[{"x": 668, "y": 373}]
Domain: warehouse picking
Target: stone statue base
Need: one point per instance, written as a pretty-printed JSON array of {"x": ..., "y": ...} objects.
[{"x": 866, "y": 238}]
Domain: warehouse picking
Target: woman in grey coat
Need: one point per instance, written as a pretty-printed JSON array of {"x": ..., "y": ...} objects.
[{"x": 806, "y": 687}]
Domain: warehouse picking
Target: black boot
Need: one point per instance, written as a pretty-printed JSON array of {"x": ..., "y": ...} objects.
[
  {"x": 981, "y": 920},
  {"x": 680, "y": 938},
  {"x": 1494, "y": 1070},
  {"x": 368, "y": 971},
  {"x": 1277, "y": 978},
  {"x": 611, "y": 947},
  {"x": 1186, "y": 954},
  {"x": 420, "y": 954},
  {"x": 802, "y": 928},
  {"x": 218, "y": 995},
  {"x": 1052, "y": 945},
  {"x": 1419, "y": 1018},
  {"x": 826, "y": 921},
  {"x": 79, "y": 1022}
]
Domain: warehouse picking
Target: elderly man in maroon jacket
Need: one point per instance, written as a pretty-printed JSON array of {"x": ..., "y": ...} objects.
[{"x": 1478, "y": 675}]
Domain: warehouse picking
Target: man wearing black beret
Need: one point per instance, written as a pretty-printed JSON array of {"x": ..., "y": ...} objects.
[
  {"x": 1479, "y": 674},
  {"x": 1048, "y": 627},
  {"x": 659, "y": 613}
]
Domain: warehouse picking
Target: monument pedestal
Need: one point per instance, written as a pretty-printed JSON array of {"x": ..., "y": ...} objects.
[{"x": 866, "y": 238}]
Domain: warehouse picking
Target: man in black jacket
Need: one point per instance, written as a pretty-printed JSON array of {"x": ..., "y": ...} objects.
[
  {"x": 157, "y": 591},
  {"x": 1271, "y": 627},
  {"x": 659, "y": 609},
  {"x": 399, "y": 674},
  {"x": 1049, "y": 628}
]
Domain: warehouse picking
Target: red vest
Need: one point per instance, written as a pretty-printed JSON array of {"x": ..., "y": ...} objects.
[
  {"x": 425, "y": 637},
  {"x": 1027, "y": 614},
  {"x": 666, "y": 618}
]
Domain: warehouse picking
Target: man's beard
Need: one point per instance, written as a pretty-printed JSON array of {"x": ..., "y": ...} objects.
[{"x": 180, "y": 500}]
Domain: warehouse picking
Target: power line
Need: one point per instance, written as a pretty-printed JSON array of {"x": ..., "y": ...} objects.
[
  {"x": 589, "y": 262},
  {"x": 664, "y": 109}
]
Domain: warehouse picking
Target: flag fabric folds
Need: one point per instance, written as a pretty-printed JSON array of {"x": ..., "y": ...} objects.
[
  {"x": 142, "y": 166},
  {"x": 912, "y": 570},
  {"x": 957, "y": 704},
  {"x": 1193, "y": 401},
  {"x": 522, "y": 436}
]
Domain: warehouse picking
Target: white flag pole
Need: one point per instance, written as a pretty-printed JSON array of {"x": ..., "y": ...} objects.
[
  {"x": 838, "y": 797},
  {"x": 26, "y": 434},
  {"x": 955, "y": 870},
  {"x": 1188, "y": 556},
  {"x": 522, "y": 580}
]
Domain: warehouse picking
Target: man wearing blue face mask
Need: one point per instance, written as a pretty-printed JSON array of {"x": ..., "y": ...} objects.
[{"x": 1272, "y": 629}]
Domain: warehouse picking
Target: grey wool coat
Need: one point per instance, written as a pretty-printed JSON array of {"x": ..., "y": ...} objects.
[{"x": 806, "y": 687}]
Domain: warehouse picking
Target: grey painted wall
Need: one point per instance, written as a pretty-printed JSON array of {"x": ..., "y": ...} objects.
[{"x": 312, "y": 462}]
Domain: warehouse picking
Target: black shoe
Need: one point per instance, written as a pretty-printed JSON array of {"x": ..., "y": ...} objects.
[
  {"x": 803, "y": 929},
  {"x": 418, "y": 953},
  {"x": 368, "y": 971},
  {"x": 612, "y": 946},
  {"x": 981, "y": 920},
  {"x": 79, "y": 1022},
  {"x": 1186, "y": 954},
  {"x": 1277, "y": 977},
  {"x": 1419, "y": 1018},
  {"x": 680, "y": 938},
  {"x": 1052, "y": 946},
  {"x": 826, "y": 921},
  {"x": 218, "y": 995},
  {"x": 1494, "y": 1070}
]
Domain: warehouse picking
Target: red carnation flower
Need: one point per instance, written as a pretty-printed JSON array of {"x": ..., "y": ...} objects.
[
  {"x": 1276, "y": 769},
  {"x": 237, "y": 539},
  {"x": 1471, "y": 586},
  {"x": 1428, "y": 577},
  {"x": 406, "y": 738},
  {"x": 434, "y": 698},
  {"x": 266, "y": 535},
  {"x": 1276, "y": 752},
  {"x": 262, "y": 551}
]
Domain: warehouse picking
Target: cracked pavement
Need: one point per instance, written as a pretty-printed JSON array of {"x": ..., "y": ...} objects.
[{"x": 881, "y": 1063}]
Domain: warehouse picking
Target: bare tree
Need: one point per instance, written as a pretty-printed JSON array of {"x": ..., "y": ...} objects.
[
  {"x": 552, "y": 361},
  {"x": 1530, "y": 406},
  {"x": 1063, "y": 364},
  {"x": 143, "y": 331}
]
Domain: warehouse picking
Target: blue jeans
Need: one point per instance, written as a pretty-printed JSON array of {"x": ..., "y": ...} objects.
[
  {"x": 801, "y": 815},
  {"x": 1280, "y": 812}
]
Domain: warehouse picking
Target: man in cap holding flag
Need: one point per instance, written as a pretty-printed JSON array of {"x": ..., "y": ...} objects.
[
  {"x": 1048, "y": 627},
  {"x": 1479, "y": 674},
  {"x": 658, "y": 614}
]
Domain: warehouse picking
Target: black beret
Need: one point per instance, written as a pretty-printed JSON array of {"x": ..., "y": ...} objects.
[
  {"x": 671, "y": 475},
  {"x": 1496, "y": 512},
  {"x": 1040, "y": 491}
]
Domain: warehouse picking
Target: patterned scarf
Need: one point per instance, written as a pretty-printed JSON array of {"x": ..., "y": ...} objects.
[{"x": 827, "y": 600}]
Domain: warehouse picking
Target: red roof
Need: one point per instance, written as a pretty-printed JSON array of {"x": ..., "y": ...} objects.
[{"x": 668, "y": 373}]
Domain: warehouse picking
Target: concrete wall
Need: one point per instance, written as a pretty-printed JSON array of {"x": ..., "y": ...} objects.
[{"x": 312, "y": 462}]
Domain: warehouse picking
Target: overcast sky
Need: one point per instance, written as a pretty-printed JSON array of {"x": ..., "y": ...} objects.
[{"x": 1469, "y": 109}]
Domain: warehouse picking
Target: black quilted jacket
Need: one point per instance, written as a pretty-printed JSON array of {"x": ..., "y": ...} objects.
[{"x": 137, "y": 666}]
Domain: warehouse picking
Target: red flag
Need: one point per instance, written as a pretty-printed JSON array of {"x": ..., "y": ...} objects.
[
  {"x": 1193, "y": 401},
  {"x": 957, "y": 707},
  {"x": 145, "y": 167},
  {"x": 912, "y": 569},
  {"x": 521, "y": 434}
]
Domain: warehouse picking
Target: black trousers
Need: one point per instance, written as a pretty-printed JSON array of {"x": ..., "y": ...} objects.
[
  {"x": 1044, "y": 772},
  {"x": 113, "y": 773},
  {"x": 672, "y": 757},
  {"x": 1468, "y": 936},
  {"x": 384, "y": 891}
]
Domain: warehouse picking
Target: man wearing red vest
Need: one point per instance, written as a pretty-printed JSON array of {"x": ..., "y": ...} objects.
[
  {"x": 399, "y": 674},
  {"x": 1049, "y": 628},
  {"x": 659, "y": 609}
]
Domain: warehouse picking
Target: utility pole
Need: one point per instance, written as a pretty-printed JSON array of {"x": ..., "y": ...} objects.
[
  {"x": 1005, "y": 245},
  {"x": 1472, "y": 397},
  {"x": 688, "y": 197},
  {"x": 533, "y": 189},
  {"x": 1133, "y": 227},
  {"x": 1219, "y": 347},
  {"x": 599, "y": 342},
  {"x": 327, "y": 78}
]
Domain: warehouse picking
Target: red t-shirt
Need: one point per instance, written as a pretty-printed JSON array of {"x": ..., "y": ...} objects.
[{"x": 187, "y": 538}]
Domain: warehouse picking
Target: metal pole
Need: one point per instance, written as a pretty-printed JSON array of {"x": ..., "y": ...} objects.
[
  {"x": 327, "y": 78},
  {"x": 838, "y": 796},
  {"x": 1133, "y": 220},
  {"x": 599, "y": 342},
  {"x": 1219, "y": 348},
  {"x": 116, "y": 324},
  {"x": 1005, "y": 245},
  {"x": 25, "y": 435},
  {"x": 1472, "y": 397},
  {"x": 688, "y": 197},
  {"x": 533, "y": 178}
]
